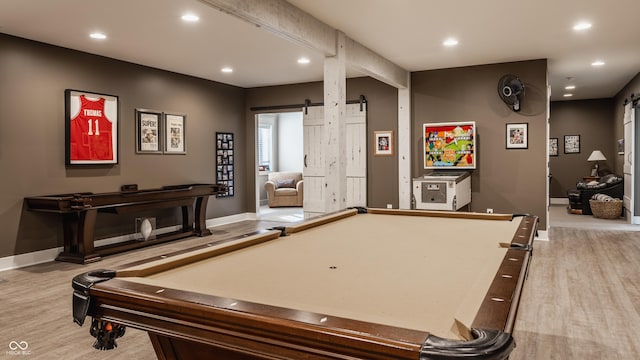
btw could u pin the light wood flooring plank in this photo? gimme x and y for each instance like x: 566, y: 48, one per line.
x: 581, y: 300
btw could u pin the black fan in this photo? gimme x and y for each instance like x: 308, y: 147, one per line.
x: 511, y: 90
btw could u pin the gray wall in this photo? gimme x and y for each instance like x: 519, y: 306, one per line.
x: 594, y: 121
x: 33, y: 77
x: 509, y: 181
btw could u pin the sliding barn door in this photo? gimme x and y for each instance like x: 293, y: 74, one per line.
x: 314, y: 159
x: 629, y: 163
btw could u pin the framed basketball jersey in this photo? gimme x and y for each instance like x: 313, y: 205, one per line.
x: 91, y: 128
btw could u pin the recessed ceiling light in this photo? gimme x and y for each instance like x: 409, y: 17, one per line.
x: 98, y: 36
x: 226, y: 70
x: 597, y: 63
x: 190, y: 17
x: 567, y: 95
x: 450, y: 42
x: 582, y: 26
x: 569, y: 87
x: 303, y: 60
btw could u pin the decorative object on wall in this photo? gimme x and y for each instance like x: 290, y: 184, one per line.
x: 383, y: 143
x: 91, y: 128
x: 553, y: 147
x: 572, y: 144
x: 620, y: 146
x: 175, y: 134
x: 511, y: 91
x: 224, y: 162
x: 449, y: 145
x: 148, y: 131
x: 517, y: 136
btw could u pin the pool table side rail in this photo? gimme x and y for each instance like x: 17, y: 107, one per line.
x: 249, y: 327
x: 500, y: 305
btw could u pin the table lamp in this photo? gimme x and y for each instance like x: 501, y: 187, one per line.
x: 596, y: 156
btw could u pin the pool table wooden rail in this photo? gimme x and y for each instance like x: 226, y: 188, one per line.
x: 186, y: 325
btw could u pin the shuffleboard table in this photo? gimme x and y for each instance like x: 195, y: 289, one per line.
x: 357, y: 284
x: 80, y: 210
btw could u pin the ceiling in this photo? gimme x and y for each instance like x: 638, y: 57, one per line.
x: 407, y: 32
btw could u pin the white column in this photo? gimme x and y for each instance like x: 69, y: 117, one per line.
x: 404, y: 145
x: 335, y: 84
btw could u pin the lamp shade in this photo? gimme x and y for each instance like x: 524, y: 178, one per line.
x: 596, y: 155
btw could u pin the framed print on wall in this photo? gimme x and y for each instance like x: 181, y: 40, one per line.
x: 517, y: 136
x: 174, y: 134
x: 572, y: 144
x: 553, y: 147
x: 91, y: 128
x: 224, y: 162
x: 383, y: 143
x: 148, y: 131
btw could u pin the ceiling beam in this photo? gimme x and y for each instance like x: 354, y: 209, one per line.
x: 291, y: 23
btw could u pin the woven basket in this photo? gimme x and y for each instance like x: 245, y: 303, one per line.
x: 606, y: 209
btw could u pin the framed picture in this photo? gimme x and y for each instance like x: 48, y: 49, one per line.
x: 517, y: 136
x: 148, y: 131
x: 620, y: 146
x: 91, y: 128
x: 383, y: 143
x: 224, y: 162
x: 553, y: 147
x: 572, y: 144
x: 174, y: 134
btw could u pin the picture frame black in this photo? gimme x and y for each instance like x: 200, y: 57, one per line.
x: 553, y: 146
x: 225, y: 163
x: 91, y: 128
x: 572, y: 144
x: 148, y: 131
x: 517, y: 136
x: 175, y: 129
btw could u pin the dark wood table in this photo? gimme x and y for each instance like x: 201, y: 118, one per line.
x: 385, y: 284
x: 79, y: 212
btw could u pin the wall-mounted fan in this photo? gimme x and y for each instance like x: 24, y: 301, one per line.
x: 511, y: 90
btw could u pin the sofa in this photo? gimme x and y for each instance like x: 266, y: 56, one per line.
x: 284, y: 189
x: 611, y: 184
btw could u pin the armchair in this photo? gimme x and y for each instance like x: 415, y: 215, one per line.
x: 284, y: 189
x: 579, y: 197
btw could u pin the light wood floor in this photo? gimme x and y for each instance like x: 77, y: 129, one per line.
x: 581, y: 300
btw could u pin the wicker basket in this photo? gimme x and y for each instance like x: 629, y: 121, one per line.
x: 606, y: 209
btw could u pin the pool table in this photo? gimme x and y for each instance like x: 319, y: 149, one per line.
x: 355, y: 284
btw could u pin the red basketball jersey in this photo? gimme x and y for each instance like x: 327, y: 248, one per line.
x: 91, y: 137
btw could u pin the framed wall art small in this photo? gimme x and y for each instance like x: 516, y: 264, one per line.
x: 148, y: 131
x: 572, y: 144
x: 225, y: 162
x: 517, y: 136
x: 383, y: 143
x: 553, y: 147
x: 91, y: 128
x: 175, y: 134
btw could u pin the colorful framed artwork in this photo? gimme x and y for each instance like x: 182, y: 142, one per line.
x: 225, y: 162
x: 383, y: 143
x: 572, y: 144
x: 175, y: 134
x: 91, y: 128
x: 148, y: 131
x: 553, y: 147
x: 517, y: 136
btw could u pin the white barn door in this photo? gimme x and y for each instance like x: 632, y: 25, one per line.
x: 314, y: 159
x: 628, y: 164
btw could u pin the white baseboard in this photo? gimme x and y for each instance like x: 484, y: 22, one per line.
x: 42, y: 256
x: 543, y: 235
x: 559, y: 201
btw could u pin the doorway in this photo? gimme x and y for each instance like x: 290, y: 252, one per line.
x: 279, y: 148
